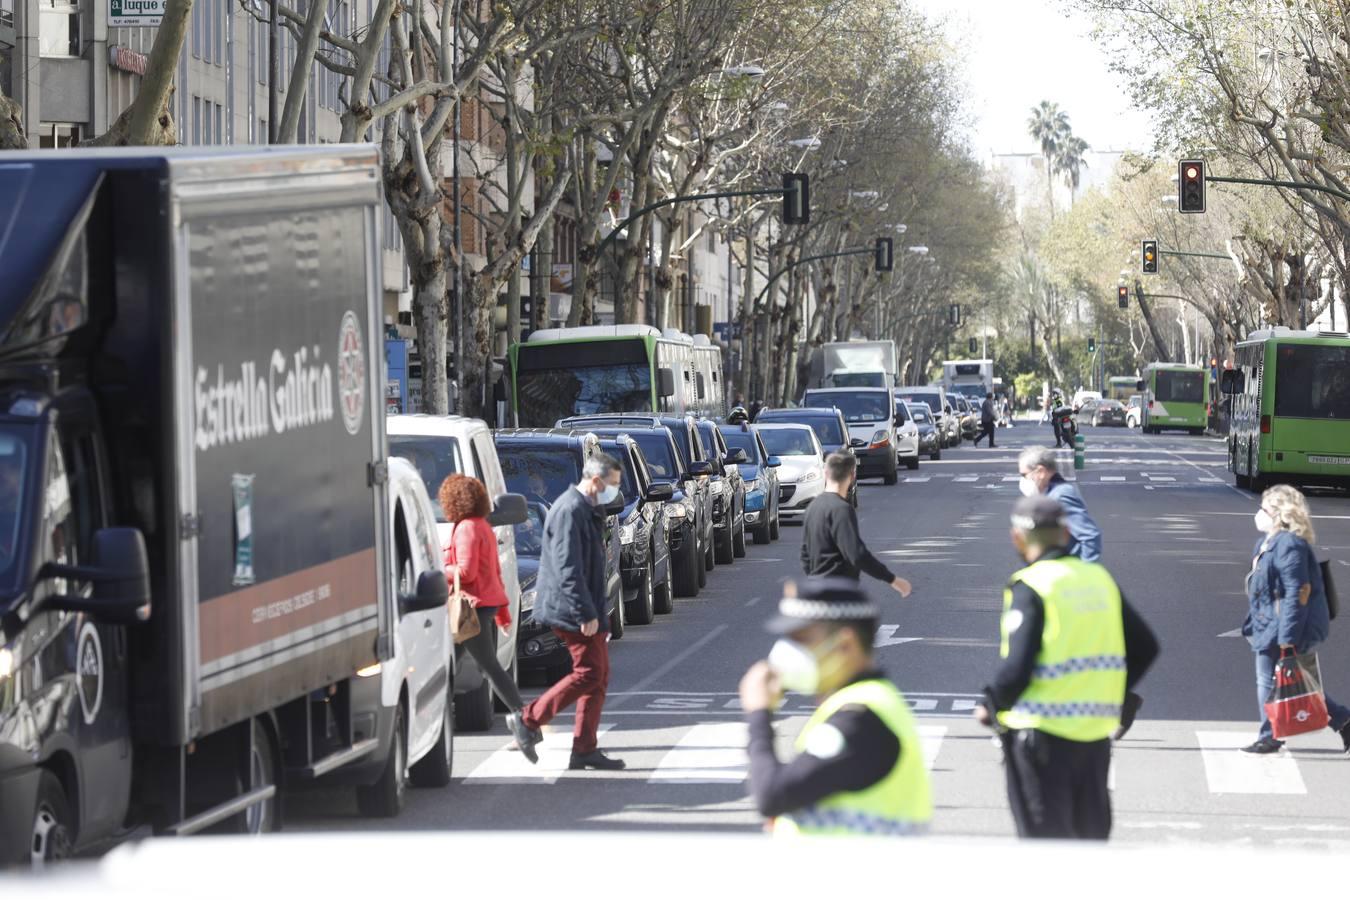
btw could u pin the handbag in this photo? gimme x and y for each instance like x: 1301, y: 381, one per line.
x: 1296, y: 704
x: 463, y: 617
x: 1329, y: 588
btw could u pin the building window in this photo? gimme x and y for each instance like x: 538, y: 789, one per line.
x: 58, y: 136
x: 220, y: 120
x: 196, y: 120
x: 712, y: 241
x: 59, y: 28
x: 7, y: 13
x: 221, y: 10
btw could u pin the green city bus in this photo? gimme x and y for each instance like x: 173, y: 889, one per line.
x: 1121, y: 387
x: 1290, y: 394
x: 1175, y: 396
x: 561, y: 372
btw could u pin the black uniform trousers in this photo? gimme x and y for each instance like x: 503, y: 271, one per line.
x: 1058, y: 788
x: 986, y: 431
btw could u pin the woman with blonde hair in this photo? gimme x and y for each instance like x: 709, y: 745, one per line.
x: 1287, y: 609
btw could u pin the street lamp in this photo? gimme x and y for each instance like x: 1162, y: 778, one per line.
x: 744, y: 70
x: 919, y: 249
x: 810, y: 143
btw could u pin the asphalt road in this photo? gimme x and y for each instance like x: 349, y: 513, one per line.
x: 1178, y: 537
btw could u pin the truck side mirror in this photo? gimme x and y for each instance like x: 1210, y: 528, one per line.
x: 120, y: 574
x: 508, y: 509
x: 1231, y: 381
x: 433, y: 592
x: 665, y: 382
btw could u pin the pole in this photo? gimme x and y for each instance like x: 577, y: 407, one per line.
x: 273, y: 72
x: 456, y: 234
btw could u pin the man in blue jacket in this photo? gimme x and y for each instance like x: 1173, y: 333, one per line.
x: 570, y: 598
x: 1040, y: 475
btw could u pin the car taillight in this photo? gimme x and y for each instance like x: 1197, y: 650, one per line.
x: 1265, y: 424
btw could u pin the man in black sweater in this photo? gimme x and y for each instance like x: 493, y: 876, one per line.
x: 831, y: 544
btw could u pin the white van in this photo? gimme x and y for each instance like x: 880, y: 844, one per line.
x: 440, y: 446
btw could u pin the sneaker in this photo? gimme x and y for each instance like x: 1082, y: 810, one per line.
x: 595, y: 760
x: 525, y: 737
x: 1264, y: 746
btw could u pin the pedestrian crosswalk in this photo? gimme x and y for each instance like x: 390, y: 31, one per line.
x: 1176, y: 477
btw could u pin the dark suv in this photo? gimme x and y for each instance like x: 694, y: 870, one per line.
x: 687, y: 471
x: 644, y: 543
x: 761, y: 473
x: 542, y: 463
x: 727, y: 489
x: 828, y: 424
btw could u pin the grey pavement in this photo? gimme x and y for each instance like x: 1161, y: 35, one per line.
x: 1178, y: 537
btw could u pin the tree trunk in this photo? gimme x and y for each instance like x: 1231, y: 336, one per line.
x: 148, y: 120
x: 297, y: 86
x: 12, y: 136
x: 1159, y: 343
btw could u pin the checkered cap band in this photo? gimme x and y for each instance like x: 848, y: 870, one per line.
x: 824, y: 611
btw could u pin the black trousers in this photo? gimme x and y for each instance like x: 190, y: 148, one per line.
x: 1057, y: 788
x: 986, y: 431
x: 1059, y: 430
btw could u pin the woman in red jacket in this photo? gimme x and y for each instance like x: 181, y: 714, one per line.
x: 473, y: 554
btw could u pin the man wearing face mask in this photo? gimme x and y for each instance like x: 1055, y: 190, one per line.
x: 570, y: 598
x: 1071, y: 648
x: 831, y: 544
x: 1040, y: 475
x: 859, y: 768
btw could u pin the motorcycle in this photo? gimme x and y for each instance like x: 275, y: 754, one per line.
x: 1063, y: 417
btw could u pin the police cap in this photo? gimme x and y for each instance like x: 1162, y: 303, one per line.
x: 1036, y: 513
x: 814, y: 599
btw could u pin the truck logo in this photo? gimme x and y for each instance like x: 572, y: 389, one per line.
x: 89, y: 671
x: 351, y: 373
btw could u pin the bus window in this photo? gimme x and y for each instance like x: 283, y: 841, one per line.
x: 1179, y: 387
x: 1312, y: 382
x: 557, y: 381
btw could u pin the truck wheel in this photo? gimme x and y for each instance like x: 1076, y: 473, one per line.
x: 474, y: 710
x: 384, y: 799
x: 53, y: 826
x: 663, y: 595
x: 434, y: 769
x: 738, y: 539
x: 643, y: 609
x: 618, y: 623
x: 686, y: 574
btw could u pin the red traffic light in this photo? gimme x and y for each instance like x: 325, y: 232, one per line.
x: 1123, y: 296
x: 1191, y: 186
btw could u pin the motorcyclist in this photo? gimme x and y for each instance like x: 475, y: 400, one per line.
x: 1057, y: 414
x: 738, y: 416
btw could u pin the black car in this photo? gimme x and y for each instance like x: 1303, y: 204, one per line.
x: 828, y: 424
x: 644, y: 545
x: 1102, y: 412
x: 541, y: 464
x: 728, y: 492
x: 665, y: 465
x: 930, y: 441
x: 692, y: 478
x: 761, y: 492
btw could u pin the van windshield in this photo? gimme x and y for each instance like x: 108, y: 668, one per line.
x: 435, y: 458
x: 860, y: 407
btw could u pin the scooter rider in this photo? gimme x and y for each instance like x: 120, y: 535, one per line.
x: 1057, y: 413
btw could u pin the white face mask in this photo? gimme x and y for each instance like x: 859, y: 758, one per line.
x: 607, y: 495
x: 795, y: 665
x: 1264, y: 523
x: 1028, y: 487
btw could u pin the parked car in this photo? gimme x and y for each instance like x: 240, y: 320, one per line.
x: 1134, y: 411
x: 439, y: 446
x: 930, y: 441
x: 728, y: 492
x: 870, y: 416
x: 684, y: 511
x: 969, y: 415
x: 828, y: 424
x: 542, y: 463
x: 1080, y: 397
x: 1102, y: 412
x: 644, y: 527
x: 760, y: 471
x: 801, y: 477
x: 906, y: 436
x: 937, y: 398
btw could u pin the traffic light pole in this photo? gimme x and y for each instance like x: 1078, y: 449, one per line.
x: 774, y: 276
x: 1293, y: 185
x: 1201, y: 253
x: 715, y: 195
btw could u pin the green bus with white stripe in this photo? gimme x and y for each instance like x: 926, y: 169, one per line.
x: 1290, y: 394
x: 1176, y: 397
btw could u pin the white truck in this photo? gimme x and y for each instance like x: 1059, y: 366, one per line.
x: 854, y: 364
x: 972, y: 378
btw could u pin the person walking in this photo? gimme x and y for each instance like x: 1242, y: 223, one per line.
x: 986, y: 421
x: 1071, y: 647
x: 859, y: 768
x: 1287, y: 610
x: 472, y: 555
x: 831, y: 544
x: 570, y: 598
x: 1039, y: 468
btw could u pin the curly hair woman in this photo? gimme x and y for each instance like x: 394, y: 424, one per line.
x: 472, y: 554
x: 1287, y: 602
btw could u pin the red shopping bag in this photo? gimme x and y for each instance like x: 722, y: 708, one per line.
x: 1296, y: 704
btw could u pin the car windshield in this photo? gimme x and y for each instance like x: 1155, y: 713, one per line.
x: 14, y: 450
x: 930, y: 398
x: 826, y: 427
x: 541, y: 474
x: 788, y: 441
x: 657, y: 450
x: 921, y: 415
x: 1312, y: 382
x: 1179, y: 387
x: 436, y: 458
x: 530, y: 533
x: 860, y: 407
x: 743, y: 440
x: 1110, y: 404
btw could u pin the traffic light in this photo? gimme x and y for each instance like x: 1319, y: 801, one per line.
x: 971, y: 346
x: 954, y: 314
x: 1149, y: 253
x: 1092, y: 345
x: 1191, y: 186
x: 1123, y: 296
x: 885, y: 254
x: 796, y: 198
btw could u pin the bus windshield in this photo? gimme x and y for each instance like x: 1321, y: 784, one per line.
x: 1312, y: 382
x: 577, y: 378
x: 1179, y: 387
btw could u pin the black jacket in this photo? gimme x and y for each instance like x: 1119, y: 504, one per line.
x: 570, y: 590
x: 831, y: 544
x: 987, y: 411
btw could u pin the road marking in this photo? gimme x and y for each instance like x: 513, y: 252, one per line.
x: 1230, y: 771
x: 966, y: 478
x: 886, y: 636
x: 1158, y: 477
x: 917, y: 479
x: 1236, y: 632
x: 1212, y: 480
x: 1008, y: 478
x: 673, y: 663
x: 510, y: 765
x: 1113, y: 478
x: 709, y: 753
x: 930, y: 736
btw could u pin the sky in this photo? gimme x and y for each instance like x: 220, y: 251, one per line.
x: 1020, y: 52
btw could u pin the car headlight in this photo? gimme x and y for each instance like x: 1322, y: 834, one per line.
x: 676, y: 511
x: 527, y: 599
x: 810, y: 475
x: 628, y: 533
x: 879, y: 436
x: 6, y: 662
x: 718, y: 487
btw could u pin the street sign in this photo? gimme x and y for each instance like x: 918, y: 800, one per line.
x: 136, y: 13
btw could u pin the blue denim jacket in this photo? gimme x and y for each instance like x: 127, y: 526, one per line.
x: 1283, y: 564
x: 1085, y: 537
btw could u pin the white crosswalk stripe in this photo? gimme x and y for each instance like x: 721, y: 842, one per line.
x: 510, y: 765
x: 710, y: 752
x: 1229, y: 771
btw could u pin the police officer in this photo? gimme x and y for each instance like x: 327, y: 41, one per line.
x: 859, y: 766
x: 1071, y: 647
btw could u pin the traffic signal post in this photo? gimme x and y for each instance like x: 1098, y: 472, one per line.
x: 1192, y: 179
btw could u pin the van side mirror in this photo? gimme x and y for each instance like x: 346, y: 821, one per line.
x: 433, y: 592
x: 508, y: 509
x: 120, y: 574
x: 1231, y: 381
x: 665, y: 382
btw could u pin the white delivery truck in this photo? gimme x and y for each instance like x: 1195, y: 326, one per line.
x: 854, y: 364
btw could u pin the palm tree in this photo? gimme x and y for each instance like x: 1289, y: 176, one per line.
x: 1049, y: 126
x: 1070, y: 161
